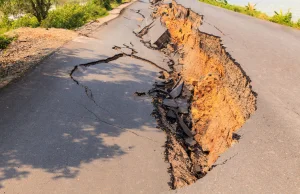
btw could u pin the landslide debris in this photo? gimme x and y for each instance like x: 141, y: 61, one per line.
x: 216, y: 90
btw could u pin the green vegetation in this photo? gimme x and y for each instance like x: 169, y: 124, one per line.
x: 280, y: 18
x: 71, y: 16
x: 5, y: 41
x: 38, y: 8
x: 26, y: 21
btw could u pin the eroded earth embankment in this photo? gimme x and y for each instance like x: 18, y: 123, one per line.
x: 221, y: 100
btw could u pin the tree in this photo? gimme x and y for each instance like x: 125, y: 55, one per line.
x: 38, y: 8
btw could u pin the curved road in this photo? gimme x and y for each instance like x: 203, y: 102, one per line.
x: 97, y: 137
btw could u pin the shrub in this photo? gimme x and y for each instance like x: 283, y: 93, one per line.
x: 69, y: 16
x: 281, y: 18
x: 5, y: 41
x: 5, y: 24
x: 107, y: 5
x: 298, y: 23
x: 94, y: 11
x: 237, y: 9
x: 72, y: 16
x: 26, y: 21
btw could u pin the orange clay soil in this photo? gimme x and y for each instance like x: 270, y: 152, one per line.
x: 223, y: 99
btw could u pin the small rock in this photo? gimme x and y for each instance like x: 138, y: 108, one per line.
x: 190, y: 141
x: 197, y: 168
x: 171, y: 114
x: 177, y: 90
x: 170, y: 103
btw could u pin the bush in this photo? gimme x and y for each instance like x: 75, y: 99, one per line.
x: 280, y: 18
x: 72, y: 16
x: 5, y: 24
x: 237, y: 9
x: 26, y: 21
x: 69, y: 16
x: 298, y: 23
x: 93, y: 11
x: 106, y: 4
x: 5, y: 41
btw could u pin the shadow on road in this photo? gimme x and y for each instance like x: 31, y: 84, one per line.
x: 49, y: 124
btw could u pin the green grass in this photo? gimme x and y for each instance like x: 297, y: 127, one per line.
x: 279, y: 18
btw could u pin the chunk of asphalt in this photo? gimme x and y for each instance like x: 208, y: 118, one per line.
x: 160, y: 83
x: 170, y: 103
x: 183, y: 106
x: 190, y: 141
x: 182, y: 102
x: 157, y: 90
x: 171, y: 114
x: 177, y: 82
x: 158, y: 34
x: 177, y: 90
x: 145, y: 23
x: 181, y: 123
x: 169, y: 81
x: 185, y: 128
x: 183, y: 110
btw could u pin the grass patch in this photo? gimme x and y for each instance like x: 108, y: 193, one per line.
x: 279, y: 18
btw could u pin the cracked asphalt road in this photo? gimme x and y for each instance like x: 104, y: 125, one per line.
x: 95, y: 137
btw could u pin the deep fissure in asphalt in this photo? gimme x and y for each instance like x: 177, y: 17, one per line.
x: 201, y: 102
x: 216, y: 92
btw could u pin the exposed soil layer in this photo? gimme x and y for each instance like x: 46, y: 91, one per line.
x: 221, y: 102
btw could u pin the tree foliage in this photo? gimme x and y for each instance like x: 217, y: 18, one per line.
x: 38, y: 8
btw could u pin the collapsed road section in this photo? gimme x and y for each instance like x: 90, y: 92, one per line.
x: 204, y: 101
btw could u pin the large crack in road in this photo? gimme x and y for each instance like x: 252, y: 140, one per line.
x: 200, y: 106
x: 89, y: 92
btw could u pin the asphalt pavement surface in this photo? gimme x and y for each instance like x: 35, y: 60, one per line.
x: 96, y: 136
x: 58, y: 136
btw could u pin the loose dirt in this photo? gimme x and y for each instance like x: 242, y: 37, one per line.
x: 29, y: 48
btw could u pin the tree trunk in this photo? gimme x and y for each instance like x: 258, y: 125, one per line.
x: 40, y: 8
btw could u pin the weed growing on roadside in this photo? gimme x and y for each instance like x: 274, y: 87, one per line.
x: 280, y: 18
x: 5, y: 41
